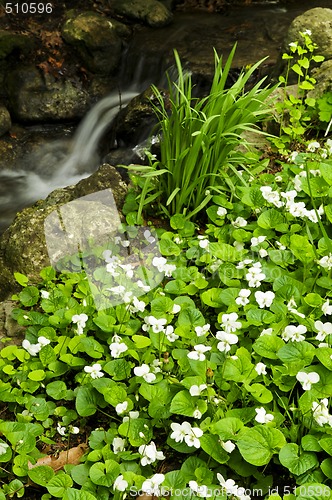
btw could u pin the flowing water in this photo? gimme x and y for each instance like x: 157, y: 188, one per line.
x: 60, y: 163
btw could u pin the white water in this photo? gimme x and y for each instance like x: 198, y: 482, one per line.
x: 60, y: 163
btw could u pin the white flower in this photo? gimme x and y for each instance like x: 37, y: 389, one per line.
x: 227, y: 340
x: 221, y: 211
x: 118, y: 445
x: 324, y: 329
x: 197, y: 414
x: 187, y: 433
x: 200, y: 491
x: 228, y: 446
x: 297, y: 209
x: 238, y: 245
x: 42, y: 341
x: 120, y: 484
x: 321, y: 412
x: 132, y: 415
x: 293, y: 45
x: 256, y: 241
x: 307, y: 32
x: 74, y: 430
x: 44, y: 294
x: 94, y: 370
x: 228, y: 485
x: 260, y: 368
x: 229, y: 323
x: 161, y: 264
x: 326, y: 261
x: 196, y: 390
x: 81, y: 320
x: 148, y: 236
x: 61, y: 430
x: 294, y: 333
x: 176, y: 308
x: 144, y: 371
x: 33, y: 349
x: 170, y: 335
x: 157, y: 325
x: 264, y: 299
x: 262, y: 253
x: 150, y: 454
x: 326, y: 308
x: 255, y: 275
x: 198, y: 352
x: 3, y: 448
x: 262, y: 417
x: 117, y: 348
x: 312, y: 146
x: 293, y: 156
x: 151, y: 486
x: 271, y: 196
x: 121, y: 407
x: 307, y: 379
x: 239, y: 222
x: 266, y: 331
x: 204, y: 243
x: 202, y: 330
x: 242, y: 298
x: 145, y: 288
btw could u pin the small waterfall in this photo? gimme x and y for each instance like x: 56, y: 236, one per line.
x: 60, y: 163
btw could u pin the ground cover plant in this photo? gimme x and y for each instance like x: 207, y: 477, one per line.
x: 216, y: 383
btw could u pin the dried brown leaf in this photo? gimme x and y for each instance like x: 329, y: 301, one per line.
x: 71, y: 456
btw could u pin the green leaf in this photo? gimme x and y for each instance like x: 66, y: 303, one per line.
x: 267, y: 346
x: 258, y: 444
x: 260, y: 393
x: 168, y: 247
x: 240, y: 368
x: 41, y: 474
x: 212, y: 297
x: 326, y: 171
x: 296, y: 462
x: 58, y: 485
x: 56, y: 390
x: 37, y: 375
x: 211, y: 445
x: 86, y: 401
x: 113, y: 393
x: 301, y: 353
x: 132, y: 430
x: 141, y: 342
x: 73, y: 494
x: 119, y: 369
x: 227, y: 428
x: 29, y: 296
x: 104, y: 474
x: 326, y: 444
x: 326, y: 467
x: 225, y: 252
x: 269, y: 219
x: 313, y: 491
x: 302, y: 249
x: 183, y: 404
x: 21, y: 279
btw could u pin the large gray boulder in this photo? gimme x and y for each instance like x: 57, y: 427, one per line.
x: 150, y: 12
x: 34, y: 97
x: 23, y: 245
x: 319, y: 22
x: 96, y: 40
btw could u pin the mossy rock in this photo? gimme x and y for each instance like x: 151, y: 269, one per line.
x: 150, y: 12
x: 10, y: 42
x: 96, y: 40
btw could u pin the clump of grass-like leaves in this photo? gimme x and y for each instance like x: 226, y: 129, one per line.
x: 200, y: 137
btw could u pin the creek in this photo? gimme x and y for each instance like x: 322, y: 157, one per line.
x: 258, y: 30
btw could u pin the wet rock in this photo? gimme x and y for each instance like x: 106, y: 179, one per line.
x: 150, y: 12
x: 23, y: 244
x: 34, y: 97
x: 5, y: 121
x: 11, y: 43
x: 96, y: 40
x: 10, y: 330
x: 134, y: 123
x: 319, y: 22
x: 323, y: 76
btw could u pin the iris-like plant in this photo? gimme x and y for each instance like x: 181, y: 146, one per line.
x: 200, y: 138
